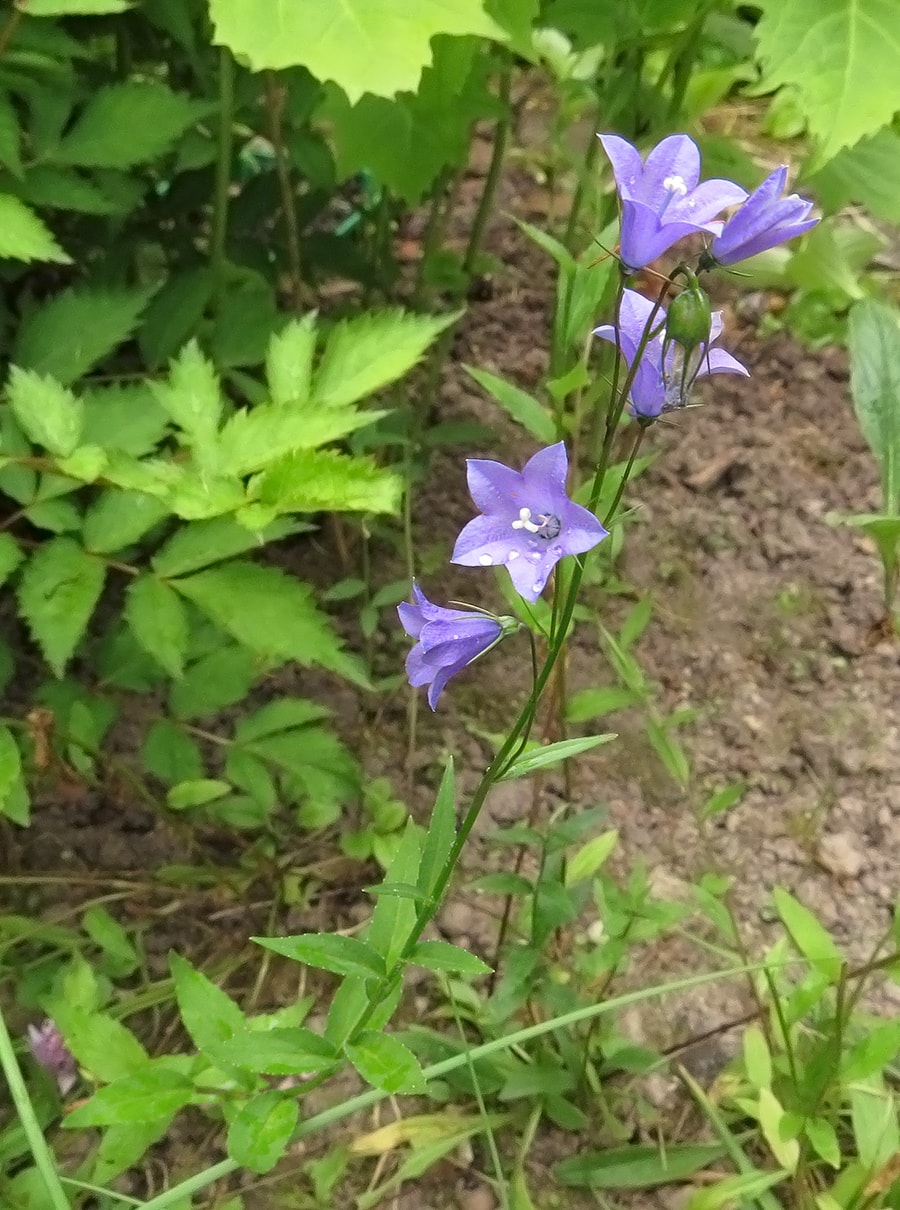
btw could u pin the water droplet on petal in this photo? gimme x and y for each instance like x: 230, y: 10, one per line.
x: 534, y: 556
x: 513, y: 554
x: 558, y: 551
x: 485, y: 560
x: 456, y: 636
x: 537, y: 587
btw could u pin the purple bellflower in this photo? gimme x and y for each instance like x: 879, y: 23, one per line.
x: 448, y: 640
x: 528, y: 522
x: 665, y: 375
x: 49, y: 1050
x: 661, y: 198
x: 764, y: 220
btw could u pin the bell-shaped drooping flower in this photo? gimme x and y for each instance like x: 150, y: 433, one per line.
x: 48, y: 1048
x: 528, y: 522
x: 448, y: 640
x: 665, y: 372
x: 764, y: 220
x: 661, y: 198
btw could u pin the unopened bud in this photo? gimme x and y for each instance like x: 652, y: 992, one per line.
x: 690, y: 317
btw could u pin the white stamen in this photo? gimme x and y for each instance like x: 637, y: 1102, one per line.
x: 525, y: 522
x: 675, y: 184
x: 485, y: 560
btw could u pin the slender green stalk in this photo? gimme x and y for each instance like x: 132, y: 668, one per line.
x: 37, y: 1144
x: 495, y: 170
x: 620, y: 491
x: 276, y: 95
x: 223, y: 173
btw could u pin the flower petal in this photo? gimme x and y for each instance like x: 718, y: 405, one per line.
x: 548, y: 467
x: 486, y: 542
x: 626, y: 163
x: 582, y: 530
x: 495, y: 488
x: 718, y: 361
x: 705, y: 202
x: 530, y: 578
x: 676, y: 156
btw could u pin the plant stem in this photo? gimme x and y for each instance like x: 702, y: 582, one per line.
x: 587, y: 168
x: 223, y: 173
x: 495, y: 170
x: 9, y: 29
x: 620, y: 491
x: 275, y: 98
x: 37, y: 1143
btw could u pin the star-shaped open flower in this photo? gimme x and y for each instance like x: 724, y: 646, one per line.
x: 662, y: 199
x: 448, y: 640
x: 764, y: 220
x: 665, y: 374
x: 528, y: 522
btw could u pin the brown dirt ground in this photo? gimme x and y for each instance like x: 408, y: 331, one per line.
x: 763, y: 622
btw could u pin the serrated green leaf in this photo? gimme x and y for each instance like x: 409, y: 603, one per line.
x: 552, y: 754
x: 522, y: 407
x: 369, y: 351
x: 10, y: 556
x: 158, y: 621
x: 192, y: 397
x: 65, y: 189
x: 174, y: 314
x: 103, y: 1046
x: 282, y: 715
x: 57, y: 594
x: 47, y: 412
x: 313, y: 481
x: 867, y: 174
x: 214, y: 682
x: 364, y: 45
x: 128, y: 123
x: 209, y: 1015
x: 442, y: 956
x: 289, y: 361
x: 171, y: 755
x: 266, y: 610
x: 874, y: 342
x: 142, y: 1097
x: 260, y: 1131
x: 333, y: 952
x: 76, y: 330
x: 839, y: 56
x: 385, y: 1063
x: 119, y: 519
x: 23, y: 236
x: 124, y: 418
x: 253, y: 439
x: 10, y: 766
x: 200, y: 543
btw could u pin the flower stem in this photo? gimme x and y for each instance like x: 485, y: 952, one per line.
x: 40, y: 1152
x: 495, y: 169
x: 620, y: 491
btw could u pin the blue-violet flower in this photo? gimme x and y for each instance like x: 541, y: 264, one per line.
x: 528, y: 522
x: 48, y: 1048
x: 661, y: 198
x: 665, y: 374
x: 448, y: 640
x: 764, y: 220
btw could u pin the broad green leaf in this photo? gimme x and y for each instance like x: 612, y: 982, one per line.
x: 47, y: 412
x: 328, y: 952
x: 441, y: 832
x: 200, y: 543
x: 192, y: 397
x: 867, y: 173
x: 522, y: 407
x: 874, y: 341
x: 214, y: 682
x: 57, y: 594
x: 102, y: 927
x: 142, y: 1097
x: 67, y: 190
x: 103, y: 1046
x: 824, y: 1140
x: 282, y: 715
x: 839, y: 55
x: 196, y: 793
x: 394, y: 917
x: 363, y: 45
x: 744, y: 1189
x: 811, y: 938
x: 10, y: 136
x: 124, y: 418
x: 253, y: 439
x: 260, y: 1131
x: 76, y: 8
x: 313, y: 481
x: 595, y: 703
x: 128, y: 123
x: 118, y: 519
x: 442, y: 956
x: 757, y: 1057
x: 385, y: 1063
x: 122, y: 1147
x: 266, y: 610
x: 590, y: 857
x: 552, y: 754
x: 158, y: 620
x: 208, y: 1014
x: 277, y: 1052
x: 289, y: 361
x: 23, y: 236
x: 369, y: 351
x: 171, y: 755
x: 771, y: 1116
x: 10, y: 766
x: 872, y: 1053
x: 174, y: 314
x: 10, y: 556
x: 71, y: 333
x: 638, y: 1166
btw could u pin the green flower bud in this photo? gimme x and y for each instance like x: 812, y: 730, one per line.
x: 690, y: 317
